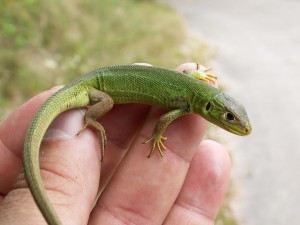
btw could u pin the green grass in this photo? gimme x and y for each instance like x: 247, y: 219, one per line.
x: 45, y: 43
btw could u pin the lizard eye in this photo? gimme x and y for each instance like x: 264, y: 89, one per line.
x: 229, y: 116
x: 208, y: 105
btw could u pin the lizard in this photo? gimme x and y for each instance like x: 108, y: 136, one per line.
x: 180, y: 92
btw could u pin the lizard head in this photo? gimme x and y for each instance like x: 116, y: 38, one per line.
x: 226, y: 113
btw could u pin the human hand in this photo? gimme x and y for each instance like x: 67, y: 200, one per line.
x: 185, y: 187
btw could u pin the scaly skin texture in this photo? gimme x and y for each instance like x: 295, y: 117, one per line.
x: 179, y: 92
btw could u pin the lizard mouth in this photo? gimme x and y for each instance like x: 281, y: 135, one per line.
x: 242, y: 131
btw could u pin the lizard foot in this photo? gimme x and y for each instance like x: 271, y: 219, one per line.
x: 157, y: 142
x: 201, y: 74
x: 206, y: 77
x: 101, y: 131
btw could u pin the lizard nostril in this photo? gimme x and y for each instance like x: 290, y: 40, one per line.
x: 248, y: 129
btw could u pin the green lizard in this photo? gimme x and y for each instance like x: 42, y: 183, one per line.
x: 182, y: 93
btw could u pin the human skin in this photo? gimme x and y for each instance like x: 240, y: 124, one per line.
x: 186, y: 186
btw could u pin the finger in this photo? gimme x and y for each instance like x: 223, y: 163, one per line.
x: 143, y: 190
x: 121, y: 125
x: 204, y: 188
x: 12, y: 133
x: 70, y: 171
x: 187, y: 66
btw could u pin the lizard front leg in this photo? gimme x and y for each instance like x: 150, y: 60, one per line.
x: 160, y: 127
x: 101, y: 104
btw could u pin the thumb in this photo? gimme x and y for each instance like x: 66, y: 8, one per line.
x: 70, y: 169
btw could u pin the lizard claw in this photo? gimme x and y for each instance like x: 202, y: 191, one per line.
x: 206, y: 77
x: 201, y: 74
x: 157, y: 142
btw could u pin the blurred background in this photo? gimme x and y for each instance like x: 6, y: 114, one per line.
x: 45, y: 43
x: 253, y: 45
x: 258, y: 55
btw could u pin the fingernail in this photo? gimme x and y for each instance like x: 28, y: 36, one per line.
x: 66, y: 125
x: 56, y: 88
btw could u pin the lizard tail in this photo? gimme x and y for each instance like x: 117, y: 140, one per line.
x: 66, y: 98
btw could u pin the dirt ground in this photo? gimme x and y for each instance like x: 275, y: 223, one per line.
x: 258, y: 44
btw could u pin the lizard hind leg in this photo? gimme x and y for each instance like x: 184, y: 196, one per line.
x: 101, y: 131
x: 102, y: 103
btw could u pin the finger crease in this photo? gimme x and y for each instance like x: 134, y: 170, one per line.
x: 194, y: 209
x: 133, y: 219
x: 7, y: 150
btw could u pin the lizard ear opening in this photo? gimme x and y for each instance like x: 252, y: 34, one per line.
x: 208, y: 106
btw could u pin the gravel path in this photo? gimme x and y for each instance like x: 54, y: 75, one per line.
x: 258, y: 44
